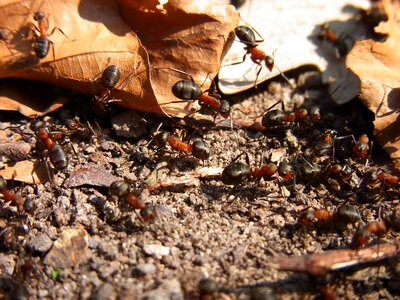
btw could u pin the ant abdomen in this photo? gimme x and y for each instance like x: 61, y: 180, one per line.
x: 110, y: 76
x: 186, y: 90
x: 235, y: 173
x: 245, y: 34
x: 201, y: 149
x: 58, y: 157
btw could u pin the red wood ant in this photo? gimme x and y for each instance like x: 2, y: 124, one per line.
x: 41, y: 43
x: 339, y: 42
x: 189, y: 90
x: 121, y: 190
x: 345, y: 214
x: 109, y: 78
x: 199, y: 148
x: 277, y: 117
x: 236, y: 172
x: 246, y: 36
x: 57, y: 155
x: 10, y: 196
x: 377, y: 228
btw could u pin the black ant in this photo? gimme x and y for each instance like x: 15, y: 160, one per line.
x: 121, y: 190
x: 246, y: 36
x: 56, y: 154
x: 189, y: 90
x: 236, y: 172
x: 41, y: 43
x: 377, y: 228
x: 199, y: 148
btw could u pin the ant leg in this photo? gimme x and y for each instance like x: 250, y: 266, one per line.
x: 56, y: 28
x: 176, y: 70
x: 236, y: 63
x: 123, y: 84
x: 258, y: 73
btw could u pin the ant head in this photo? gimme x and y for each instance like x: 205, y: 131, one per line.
x: 35, y: 126
x: 225, y: 109
x: 38, y: 16
x: 72, y: 124
x: 148, y: 213
x: 269, y: 62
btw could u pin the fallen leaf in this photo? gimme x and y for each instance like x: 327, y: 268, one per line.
x: 90, y: 174
x: 191, y: 37
x: 26, y: 171
x: 377, y: 64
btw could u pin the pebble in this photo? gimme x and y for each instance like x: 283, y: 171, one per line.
x: 7, y: 264
x: 156, y: 250
x: 168, y: 289
x: 69, y: 250
x: 40, y: 243
x: 144, y: 269
x: 106, y: 291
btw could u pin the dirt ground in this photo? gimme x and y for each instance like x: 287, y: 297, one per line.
x: 80, y: 242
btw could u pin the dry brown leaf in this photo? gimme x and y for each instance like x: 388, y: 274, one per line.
x: 190, y: 37
x: 22, y: 171
x: 377, y: 64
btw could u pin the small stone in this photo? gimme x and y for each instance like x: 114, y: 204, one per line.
x: 43, y: 293
x: 69, y: 250
x: 168, y: 289
x: 90, y: 149
x: 106, y: 291
x: 7, y: 264
x: 309, y: 80
x: 40, y: 243
x: 156, y: 250
x: 129, y: 124
x: 144, y: 269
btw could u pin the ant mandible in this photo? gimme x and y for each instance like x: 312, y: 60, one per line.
x: 247, y: 37
x: 41, y: 42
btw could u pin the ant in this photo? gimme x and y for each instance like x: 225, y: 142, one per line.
x: 41, y: 42
x: 189, y: 90
x: 10, y: 196
x: 345, y: 214
x: 246, y: 36
x: 278, y: 117
x: 339, y: 42
x: 236, y: 172
x: 57, y: 155
x: 5, y: 38
x: 109, y: 78
x: 377, y: 228
x: 121, y: 190
x: 199, y: 148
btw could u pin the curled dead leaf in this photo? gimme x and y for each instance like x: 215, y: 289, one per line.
x: 377, y: 64
x: 192, y: 37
